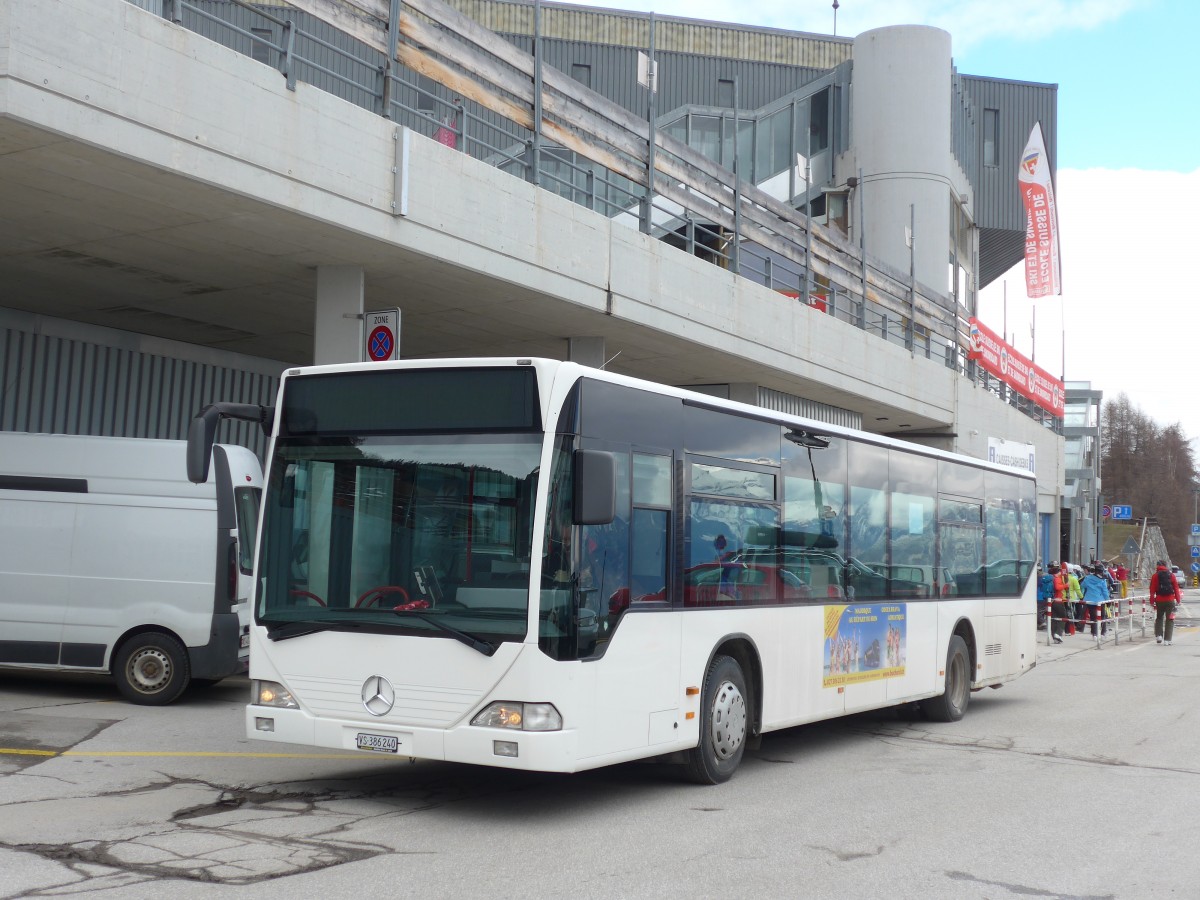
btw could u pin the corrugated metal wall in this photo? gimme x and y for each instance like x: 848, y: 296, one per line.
x: 632, y: 29
x: 62, y: 385
x: 999, y: 212
x: 964, y: 122
x: 810, y: 409
x: 683, y: 79
x: 1020, y: 105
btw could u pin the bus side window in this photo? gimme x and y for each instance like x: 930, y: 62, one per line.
x: 649, y: 577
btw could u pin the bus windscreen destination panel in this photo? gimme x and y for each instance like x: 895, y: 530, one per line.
x: 425, y: 400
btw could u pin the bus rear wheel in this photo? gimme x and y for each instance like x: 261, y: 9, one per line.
x: 724, y: 723
x: 152, y: 669
x: 952, y: 704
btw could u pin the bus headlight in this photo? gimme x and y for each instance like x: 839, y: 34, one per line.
x: 520, y: 716
x: 272, y: 693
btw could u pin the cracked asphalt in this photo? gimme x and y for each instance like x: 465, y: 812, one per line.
x: 1080, y: 780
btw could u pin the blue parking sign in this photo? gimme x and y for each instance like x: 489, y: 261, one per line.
x: 1122, y: 512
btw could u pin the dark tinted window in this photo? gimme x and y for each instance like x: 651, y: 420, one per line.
x: 867, y: 521
x: 1002, y: 518
x: 616, y: 413
x: 964, y: 481
x: 814, y: 513
x: 913, y: 526
x: 246, y: 504
x: 711, y: 433
x: 1028, y: 493
x: 399, y: 401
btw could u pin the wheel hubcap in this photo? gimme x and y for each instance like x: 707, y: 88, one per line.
x: 149, y: 670
x: 958, y: 685
x: 728, y: 721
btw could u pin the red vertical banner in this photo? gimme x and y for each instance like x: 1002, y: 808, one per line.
x: 1043, y: 270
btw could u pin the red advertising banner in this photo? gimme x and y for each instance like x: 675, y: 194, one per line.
x: 1043, y: 269
x: 1015, y: 370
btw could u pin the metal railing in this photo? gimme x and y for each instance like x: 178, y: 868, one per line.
x: 1122, y: 616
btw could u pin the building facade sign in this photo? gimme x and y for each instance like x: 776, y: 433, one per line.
x: 1012, y: 454
x: 1015, y: 370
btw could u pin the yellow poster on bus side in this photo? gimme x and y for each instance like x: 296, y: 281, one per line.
x: 864, y: 643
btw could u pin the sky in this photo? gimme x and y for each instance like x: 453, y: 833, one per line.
x: 1128, y: 182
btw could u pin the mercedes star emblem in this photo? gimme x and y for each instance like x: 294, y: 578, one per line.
x: 378, y: 695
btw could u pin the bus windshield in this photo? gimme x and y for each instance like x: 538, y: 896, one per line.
x: 425, y: 534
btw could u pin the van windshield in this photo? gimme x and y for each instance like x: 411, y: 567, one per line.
x: 389, y: 533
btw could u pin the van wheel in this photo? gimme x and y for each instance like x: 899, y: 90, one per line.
x: 952, y: 704
x: 724, y: 724
x: 151, y: 669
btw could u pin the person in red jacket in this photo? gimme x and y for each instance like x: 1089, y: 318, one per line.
x: 1164, y: 591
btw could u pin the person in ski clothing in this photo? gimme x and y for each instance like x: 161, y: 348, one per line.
x: 1095, y: 596
x: 1045, y: 588
x: 1164, y: 591
x: 1073, y: 597
x: 1058, y: 608
x: 1045, y: 595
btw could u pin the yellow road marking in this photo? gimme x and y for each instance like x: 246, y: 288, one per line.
x: 12, y: 751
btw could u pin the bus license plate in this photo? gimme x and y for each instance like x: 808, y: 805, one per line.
x: 379, y: 743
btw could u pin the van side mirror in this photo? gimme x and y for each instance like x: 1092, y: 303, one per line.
x: 595, y: 488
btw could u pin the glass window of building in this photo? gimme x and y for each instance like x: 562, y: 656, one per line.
x: 725, y: 93
x: 818, y: 121
x: 582, y: 74
x: 991, y: 137
x: 260, y: 47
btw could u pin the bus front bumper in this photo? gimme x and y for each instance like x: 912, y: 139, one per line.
x: 547, y: 751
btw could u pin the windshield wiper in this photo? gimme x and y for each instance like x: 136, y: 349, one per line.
x: 285, y: 630
x: 470, y: 640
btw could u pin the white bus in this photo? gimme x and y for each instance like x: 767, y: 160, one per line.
x: 532, y: 564
x: 111, y: 561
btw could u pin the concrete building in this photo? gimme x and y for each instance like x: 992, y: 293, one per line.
x: 1082, y: 496
x: 195, y: 200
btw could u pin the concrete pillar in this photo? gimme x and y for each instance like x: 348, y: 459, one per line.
x: 587, y: 351
x: 337, y: 326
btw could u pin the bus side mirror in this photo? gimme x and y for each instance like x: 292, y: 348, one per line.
x: 201, y: 434
x: 595, y: 492
x: 203, y: 431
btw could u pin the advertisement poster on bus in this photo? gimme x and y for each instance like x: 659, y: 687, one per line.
x: 864, y: 643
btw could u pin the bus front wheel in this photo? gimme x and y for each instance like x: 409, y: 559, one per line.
x: 724, y: 723
x: 952, y: 704
x: 152, y: 669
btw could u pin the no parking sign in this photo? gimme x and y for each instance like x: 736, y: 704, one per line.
x: 381, y: 335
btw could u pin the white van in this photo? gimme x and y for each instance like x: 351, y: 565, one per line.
x: 112, y: 561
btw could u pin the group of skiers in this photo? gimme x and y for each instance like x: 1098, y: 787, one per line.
x: 1076, y: 595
